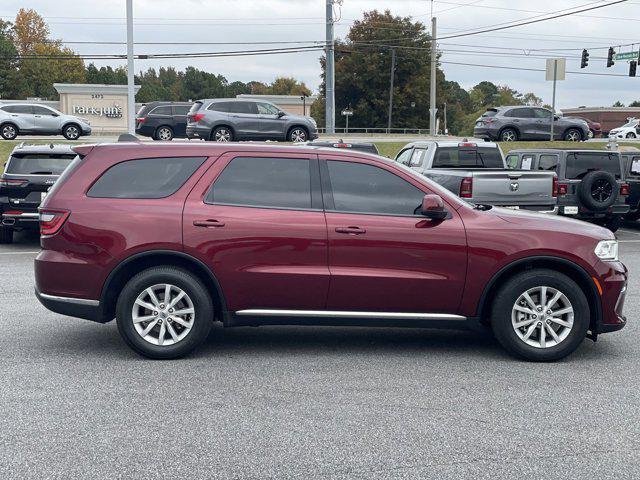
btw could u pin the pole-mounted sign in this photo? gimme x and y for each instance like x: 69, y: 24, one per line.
x: 556, y: 68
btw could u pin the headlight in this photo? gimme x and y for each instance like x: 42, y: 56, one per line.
x: 607, y: 250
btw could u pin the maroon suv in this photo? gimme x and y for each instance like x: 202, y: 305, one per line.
x: 170, y: 238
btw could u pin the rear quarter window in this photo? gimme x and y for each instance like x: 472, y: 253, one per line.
x: 145, y: 178
x: 457, y: 157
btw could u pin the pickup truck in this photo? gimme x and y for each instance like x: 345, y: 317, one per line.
x: 478, y: 173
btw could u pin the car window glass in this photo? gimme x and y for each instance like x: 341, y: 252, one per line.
x: 361, y: 188
x: 418, y: 157
x: 181, y: 109
x: 42, y: 111
x: 579, y: 164
x: 527, y: 161
x: 548, y: 162
x: 635, y: 165
x: 512, y: 162
x: 195, y: 107
x: 145, y: 178
x: 521, y: 113
x: 460, y: 157
x: 263, y: 182
x: 18, y: 109
x: 162, y: 110
x: 39, y: 164
x: 243, y: 107
x: 404, y: 156
x: 267, y: 109
x: 542, y: 113
x: 220, y: 106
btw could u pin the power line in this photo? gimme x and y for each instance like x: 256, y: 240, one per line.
x: 504, y: 67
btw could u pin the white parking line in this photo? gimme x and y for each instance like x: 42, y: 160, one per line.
x: 629, y: 231
x: 18, y: 253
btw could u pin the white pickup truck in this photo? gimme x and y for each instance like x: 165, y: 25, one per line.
x: 477, y: 172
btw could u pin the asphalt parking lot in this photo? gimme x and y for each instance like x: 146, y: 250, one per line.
x: 284, y: 402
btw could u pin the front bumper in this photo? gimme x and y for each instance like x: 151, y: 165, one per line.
x: 86, y: 129
x: 612, y: 278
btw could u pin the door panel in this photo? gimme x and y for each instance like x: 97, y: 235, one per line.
x: 270, y: 124
x: 44, y: 121
x: 262, y: 257
x: 390, y: 262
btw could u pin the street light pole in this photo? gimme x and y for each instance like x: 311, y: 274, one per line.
x: 432, y: 95
x: 131, y: 100
x: 330, y: 105
x: 393, y: 74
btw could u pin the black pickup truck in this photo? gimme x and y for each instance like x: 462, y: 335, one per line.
x: 28, y: 174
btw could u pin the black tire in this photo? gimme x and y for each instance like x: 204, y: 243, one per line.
x: 164, y: 134
x: 6, y: 235
x: 508, y: 135
x: 72, y: 131
x: 572, y: 135
x: 222, y: 134
x: 9, y: 131
x: 297, y: 134
x: 505, y: 300
x: 195, y: 290
x: 630, y: 135
x: 598, y: 190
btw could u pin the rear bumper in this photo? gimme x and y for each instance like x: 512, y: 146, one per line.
x: 195, y: 131
x: 21, y: 221
x: 484, y: 133
x: 145, y: 130
x: 73, y: 307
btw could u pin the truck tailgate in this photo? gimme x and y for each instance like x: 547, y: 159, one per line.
x: 513, y: 187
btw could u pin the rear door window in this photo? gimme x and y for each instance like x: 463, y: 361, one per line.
x: 162, y: 110
x: 39, y: 164
x: 519, y: 113
x: 37, y: 110
x: 145, y: 177
x: 459, y: 157
x: 581, y: 163
x: 548, y: 162
x: 181, y: 109
x: 283, y: 183
x: 243, y: 107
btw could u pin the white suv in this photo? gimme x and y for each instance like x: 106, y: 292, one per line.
x: 32, y: 119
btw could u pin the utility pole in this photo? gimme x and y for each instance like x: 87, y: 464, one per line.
x: 393, y: 74
x: 330, y: 105
x: 131, y: 95
x: 553, y: 102
x: 432, y: 94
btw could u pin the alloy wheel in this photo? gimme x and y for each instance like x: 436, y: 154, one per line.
x: 163, y: 314
x: 164, y: 134
x: 298, y: 135
x: 573, y: 136
x: 72, y: 133
x: 601, y: 190
x: 508, y: 136
x: 542, y: 317
x: 222, y: 135
x: 9, y: 132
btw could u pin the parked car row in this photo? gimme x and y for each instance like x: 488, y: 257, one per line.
x: 223, y: 120
x: 591, y: 185
x: 33, y: 119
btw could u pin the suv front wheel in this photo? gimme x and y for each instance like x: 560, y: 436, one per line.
x: 540, y: 315
x: 71, y: 132
x: 298, y: 135
x: 572, y: 135
x: 164, y: 313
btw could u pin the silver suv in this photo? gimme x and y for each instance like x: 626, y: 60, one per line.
x: 229, y: 119
x: 32, y: 119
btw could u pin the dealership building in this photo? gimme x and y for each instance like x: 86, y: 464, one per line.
x: 105, y: 106
x: 608, y: 117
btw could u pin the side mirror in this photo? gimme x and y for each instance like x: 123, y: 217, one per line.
x: 280, y: 114
x: 433, y: 207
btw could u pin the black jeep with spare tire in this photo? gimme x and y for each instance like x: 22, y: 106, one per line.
x: 591, y: 184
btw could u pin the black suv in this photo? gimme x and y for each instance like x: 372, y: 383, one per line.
x: 510, y: 124
x: 28, y: 174
x: 631, y: 162
x: 163, y: 120
x: 591, y: 184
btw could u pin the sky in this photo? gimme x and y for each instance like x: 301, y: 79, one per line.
x: 303, y: 20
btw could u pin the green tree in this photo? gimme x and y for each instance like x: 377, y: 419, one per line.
x: 618, y: 104
x: 287, y: 86
x: 8, y: 63
x: 635, y: 103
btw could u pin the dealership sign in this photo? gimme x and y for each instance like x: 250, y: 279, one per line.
x: 110, y: 112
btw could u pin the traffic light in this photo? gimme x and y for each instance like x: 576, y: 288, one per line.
x: 610, y: 60
x: 633, y: 64
x: 585, y: 58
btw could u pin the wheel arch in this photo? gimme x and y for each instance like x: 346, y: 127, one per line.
x: 571, y: 269
x: 297, y: 125
x: 225, y: 125
x: 69, y: 123
x: 134, y: 264
x: 510, y: 127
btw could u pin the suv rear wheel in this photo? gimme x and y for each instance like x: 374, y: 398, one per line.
x: 164, y: 134
x: 222, y: 134
x: 6, y: 235
x: 164, y: 312
x: 71, y: 132
x: 572, y: 135
x: 508, y: 135
x: 540, y: 315
x: 9, y: 131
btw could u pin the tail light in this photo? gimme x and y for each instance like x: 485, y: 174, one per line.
x: 51, y: 221
x: 140, y: 119
x: 563, y: 189
x: 554, y: 189
x: 624, y: 189
x: 467, y: 145
x: 466, y: 187
x: 13, y: 182
x: 196, y: 117
x: 12, y: 212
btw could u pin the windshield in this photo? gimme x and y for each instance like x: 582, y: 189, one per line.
x: 631, y: 123
x: 458, y: 157
x: 39, y: 164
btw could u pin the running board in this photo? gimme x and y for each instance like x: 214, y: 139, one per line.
x: 255, y: 317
